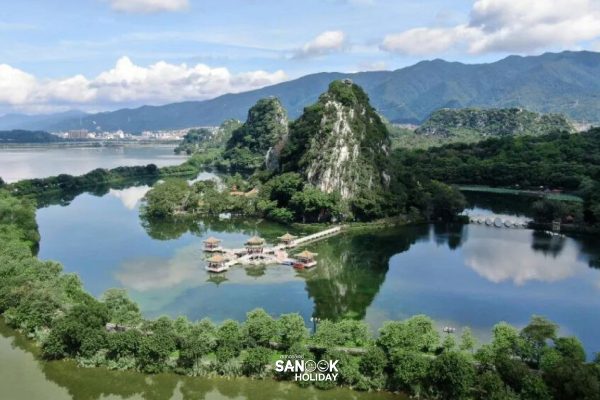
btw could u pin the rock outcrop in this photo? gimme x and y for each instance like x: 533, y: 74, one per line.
x: 340, y: 143
x: 251, y: 146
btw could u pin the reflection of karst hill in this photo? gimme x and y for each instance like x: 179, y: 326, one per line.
x: 352, y: 269
x: 174, y: 228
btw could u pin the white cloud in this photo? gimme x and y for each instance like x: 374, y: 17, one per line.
x: 128, y: 83
x: 148, y: 6
x: 420, y: 41
x: 325, y: 43
x: 507, y: 26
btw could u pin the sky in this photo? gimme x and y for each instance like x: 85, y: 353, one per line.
x: 96, y: 55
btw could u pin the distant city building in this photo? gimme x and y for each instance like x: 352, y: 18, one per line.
x: 79, y: 134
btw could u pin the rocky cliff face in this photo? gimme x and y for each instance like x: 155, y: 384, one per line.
x: 251, y: 146
x: 492, y: 122
x: 340, y: 143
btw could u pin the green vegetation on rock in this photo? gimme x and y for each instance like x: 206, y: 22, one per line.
x: 472, y: 122
x: 249, y: 145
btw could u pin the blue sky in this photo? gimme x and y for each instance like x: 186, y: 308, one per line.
x: 105, y: 54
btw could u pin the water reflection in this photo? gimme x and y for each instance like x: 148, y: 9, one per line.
x: 507, y: 256
x: 130, y: 197
x: 352, y: 269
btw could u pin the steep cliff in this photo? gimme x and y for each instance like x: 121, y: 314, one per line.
x: 250, y: 146
x: 340, y: 144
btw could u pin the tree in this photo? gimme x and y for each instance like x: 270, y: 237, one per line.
x: 467, y: 340
x: 343, y: 333
x: 282, y: 188
x: 409, y: 370
x: 80, y: 331
x: 123, y: 344
x: 536, y: 334
x: 451, y: 375
x: 489, y: 386
x: 291, y: 330
x: 506, y: 340
x: 417, y: 333
x: 122, y: 310
x: 198, y: 342
x: 154, y: 351
x: 570, y: 347
x: 571, y: 379
x: 229, y: 340
x: 314, y: 205
x: 446, y: 201
x: 255, y: 361
x: 166, y: 198
x: 372, y: 365
x: 260, y: 328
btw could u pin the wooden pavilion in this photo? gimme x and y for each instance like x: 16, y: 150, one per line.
x: 286, y: 239
x: 306, y: 259
x: 255, y: 245
x: 216, y: 263
x: 212, y: 244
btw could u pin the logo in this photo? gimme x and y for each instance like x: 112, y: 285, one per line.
x: 308, y: 370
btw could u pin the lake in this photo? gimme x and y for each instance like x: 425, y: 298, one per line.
x: 469, y: 275
x: 21, y: 162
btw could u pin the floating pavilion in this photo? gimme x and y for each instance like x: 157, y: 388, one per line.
x: 212, y: 244
x: 287, y: 239
x: 255, y: 245
x: 306, y: 259
x: 217, y: 263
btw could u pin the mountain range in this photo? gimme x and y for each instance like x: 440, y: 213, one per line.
x: 566, y: 83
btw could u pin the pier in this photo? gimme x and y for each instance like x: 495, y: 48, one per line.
x: 255, y: 252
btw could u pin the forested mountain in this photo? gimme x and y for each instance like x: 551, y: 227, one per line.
x: 492, y: 122
x: 567, y: 83
x: 37, y: 122
x: 21, y: 136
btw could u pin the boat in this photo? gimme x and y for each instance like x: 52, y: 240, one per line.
x: 498, y: 222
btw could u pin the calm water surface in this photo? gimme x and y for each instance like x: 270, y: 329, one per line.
x: 18, y: 163
x: 460, y: 275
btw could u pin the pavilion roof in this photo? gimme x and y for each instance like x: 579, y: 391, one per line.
x: 287, y: 236
x: 255, y: 240
x: 306, y: 254
x: 217, y: 258
x: 212, y: 240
